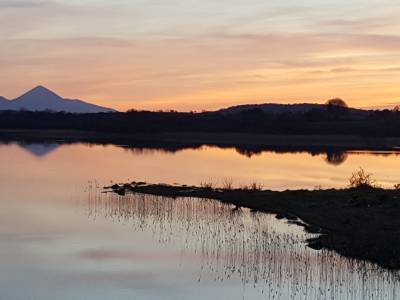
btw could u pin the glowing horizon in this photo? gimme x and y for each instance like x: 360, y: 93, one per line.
x: 196, y: 55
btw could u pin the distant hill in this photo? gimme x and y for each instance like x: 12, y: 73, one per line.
x: 42, y: 99
x: 275, y: 108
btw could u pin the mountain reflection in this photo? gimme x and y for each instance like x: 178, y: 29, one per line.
x: 234, y: 243
x: 39, y: 150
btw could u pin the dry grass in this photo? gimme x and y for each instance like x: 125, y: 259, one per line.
x: 207, y: 184
x: 227, y: 184
x: 254, y: 186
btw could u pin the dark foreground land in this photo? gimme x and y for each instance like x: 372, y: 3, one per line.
x: 359, y: 223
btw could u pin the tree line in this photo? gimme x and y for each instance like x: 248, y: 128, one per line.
x: 332, y: 120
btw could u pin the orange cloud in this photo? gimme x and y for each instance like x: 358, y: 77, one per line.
x: 205, y: 72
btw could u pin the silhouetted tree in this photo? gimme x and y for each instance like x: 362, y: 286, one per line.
x: 337, y: 102
x: 337, y: 108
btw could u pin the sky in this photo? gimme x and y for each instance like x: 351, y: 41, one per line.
x: 203, y: 54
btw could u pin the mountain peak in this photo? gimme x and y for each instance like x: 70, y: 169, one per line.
x: 41, y: 88
x: 41, y: 91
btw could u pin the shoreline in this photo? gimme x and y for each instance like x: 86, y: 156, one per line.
x: 358, y: 223
x: 192, y: 139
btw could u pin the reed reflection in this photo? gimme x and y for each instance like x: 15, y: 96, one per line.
x: 235, y: 243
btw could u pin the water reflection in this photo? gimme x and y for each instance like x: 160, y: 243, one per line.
x: 274, y: 170
x: 39, y: 150
x: 333, y: 156
x: 264, y: 253
x: 336, y: 157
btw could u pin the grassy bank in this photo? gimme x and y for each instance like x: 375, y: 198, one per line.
x: 360, y: 223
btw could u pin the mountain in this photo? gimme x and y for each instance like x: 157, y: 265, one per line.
x: 3, y: 103
x: 41, y: 99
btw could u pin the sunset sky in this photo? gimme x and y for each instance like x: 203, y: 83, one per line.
x: 203, y: 54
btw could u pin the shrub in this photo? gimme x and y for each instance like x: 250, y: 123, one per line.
x: 361, y: 179
x: 336, y: 102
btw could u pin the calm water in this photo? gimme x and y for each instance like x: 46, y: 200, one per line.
x: 61, y: 238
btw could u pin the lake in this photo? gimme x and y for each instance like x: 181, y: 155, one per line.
x: 63, y: 238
